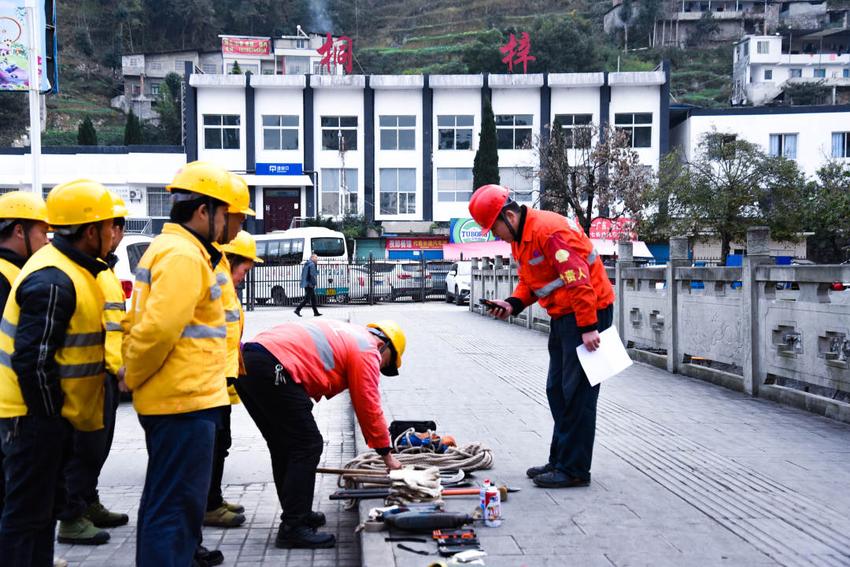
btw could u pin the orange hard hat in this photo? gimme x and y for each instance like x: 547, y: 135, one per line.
x: 486, y: 204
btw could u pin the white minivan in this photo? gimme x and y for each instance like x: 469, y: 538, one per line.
x: 278, y: 279
x: 459, y: 282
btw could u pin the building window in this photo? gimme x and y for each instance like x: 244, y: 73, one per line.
x: 156, y: 66
x: 576, y: 129
x: 155, y: 89
x: 841, y: 144
x: 768, y: 74
x: 454, y: 184
x: 180, y: 66
x: 455, y: 131
x: 513, y: 131
x: 280, y: 132
x: 762, y: 47
x: 745, y: 49
x: 784, y: 145
x: 845, y: 73
x: 210, y: 68
x: 520, y: 181
x: 137, y: 90
x: 221, y: 131
x: 339, y: 192
x: 339, y: 133
x: 637, y: 126
x: 159, y: 202
x: 398, y: 132
x: 796, y: 73
x: 398, y: 191
x: 300, y: 44
x: 820, y: 73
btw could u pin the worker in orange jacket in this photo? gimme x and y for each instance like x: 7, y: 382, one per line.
x: 293, y: 362
x: 560, y: 269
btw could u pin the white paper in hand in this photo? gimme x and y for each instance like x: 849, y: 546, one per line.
x: 606, y: 361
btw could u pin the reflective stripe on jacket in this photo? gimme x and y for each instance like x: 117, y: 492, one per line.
x: 328, y: 357
x: 559, y: 268
x: 80, y: 358
x: 175, y: 342
x: 113, y: 313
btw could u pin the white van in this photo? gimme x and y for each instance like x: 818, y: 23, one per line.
x: 278, y: 279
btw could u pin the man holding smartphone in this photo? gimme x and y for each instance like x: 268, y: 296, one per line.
x: 560, y: 269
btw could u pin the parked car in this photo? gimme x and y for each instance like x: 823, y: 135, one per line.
x: 459, y: 282
x: 129, y: 252
x: 438, y: 271
x: 409, y: 280
x: 359, y: 281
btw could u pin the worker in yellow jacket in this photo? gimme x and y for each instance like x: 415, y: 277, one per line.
x: 51, y: 367
x: 23, y: 231
x: 83, y: 513
x: 221, y: 513
x: 175, y: 364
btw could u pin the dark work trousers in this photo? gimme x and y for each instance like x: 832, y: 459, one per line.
x: 309, y: 295
x: 36, y: 449
x: 283, y: 413
x: 223, y: 440
x: 174, y: 499
x: 90, y: 450
x: 572, y: 400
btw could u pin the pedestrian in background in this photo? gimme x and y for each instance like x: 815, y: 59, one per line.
x: 309, y: 279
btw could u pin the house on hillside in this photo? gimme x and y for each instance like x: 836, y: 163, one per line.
x: 764, y: 67
x: 682, y: 23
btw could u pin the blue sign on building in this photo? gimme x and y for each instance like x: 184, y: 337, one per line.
x: 279, y: 169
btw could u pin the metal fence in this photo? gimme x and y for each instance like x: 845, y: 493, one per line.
x: 369, y: 282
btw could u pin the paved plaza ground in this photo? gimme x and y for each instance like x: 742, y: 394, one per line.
x: 685, y: 473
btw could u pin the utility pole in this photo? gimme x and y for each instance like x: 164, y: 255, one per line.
x: 33, y: 23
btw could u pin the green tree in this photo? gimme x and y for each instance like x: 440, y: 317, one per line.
x: 237, y: 70
x: 14, y: 116
x: 485, y: 168
x: 829, y: 214
x: 86, y: 134
x: 565, y: 45
x: 133, y: 130
x: 727, y: 186
x: 170, y: 110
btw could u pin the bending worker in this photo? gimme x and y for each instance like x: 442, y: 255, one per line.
x: 293, y: 362
x: 558, y: 267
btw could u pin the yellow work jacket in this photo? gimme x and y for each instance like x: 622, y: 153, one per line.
x: 9, y: 271
x: 175, y: 343
x: 113, y: 313
x: 79, y: 361
x: 233, y: 320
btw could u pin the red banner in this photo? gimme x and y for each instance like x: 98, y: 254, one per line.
x: 417, y: 243
x: 246, y: 45
x: 608, y: 229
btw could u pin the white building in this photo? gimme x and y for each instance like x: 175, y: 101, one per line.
x: 809, y: 135
x: 765, y: 65
x: 400, y: 148
x: 286, y: 55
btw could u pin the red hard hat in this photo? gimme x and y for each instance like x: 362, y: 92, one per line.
x: 486, y: 204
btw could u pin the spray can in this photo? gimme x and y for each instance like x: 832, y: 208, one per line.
x: 483, y: 497
x: 493, y: 510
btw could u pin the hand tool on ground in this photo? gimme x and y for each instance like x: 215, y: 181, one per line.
x: 447, y: 477
x: 427, y: 522
x: 411, y: 550
x: 407, y: 539
x: 503, y: 492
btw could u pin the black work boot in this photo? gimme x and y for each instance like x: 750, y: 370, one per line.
x: 302, y: 536
x: 315, y: 520
x: 536, y: 471
x: 207, y: 557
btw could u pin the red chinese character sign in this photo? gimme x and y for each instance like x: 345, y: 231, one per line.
x: 339, y: 53
x: 612, y: 229
x: 517, y: 52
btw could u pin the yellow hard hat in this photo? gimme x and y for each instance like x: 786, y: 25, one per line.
x: 204, y: 178
x: 242, y: 196
x: 243, y: 245
x: 23, y: 205
x: 81, y: 201
x: 395, y: 335
x: 120, y: 207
